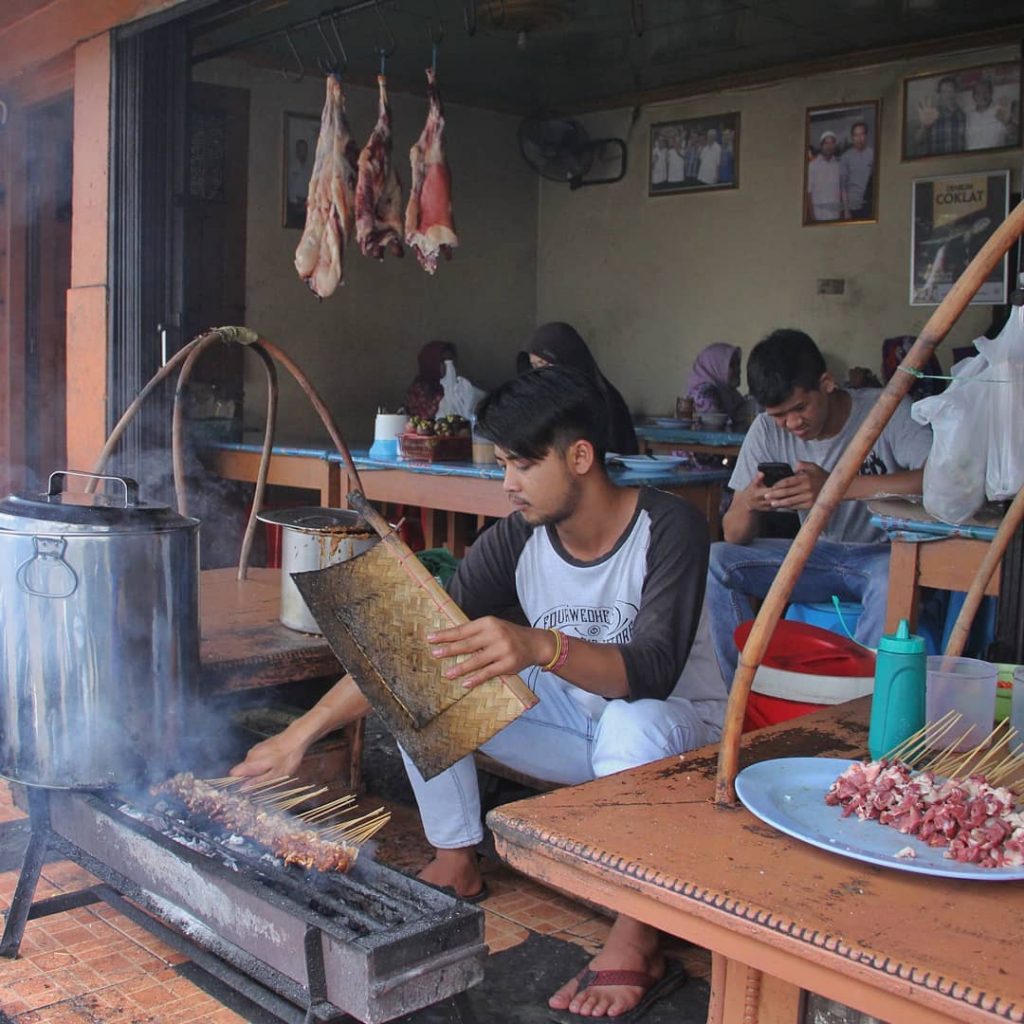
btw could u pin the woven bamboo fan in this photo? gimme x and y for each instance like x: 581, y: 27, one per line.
x: 375, y: 610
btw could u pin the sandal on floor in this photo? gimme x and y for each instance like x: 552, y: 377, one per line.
x: 477, y: 897
x: 654, y: 989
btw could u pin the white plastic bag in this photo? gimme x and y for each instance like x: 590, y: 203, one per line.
x: 954, y: 475
x: 1004, y: 401
x: 460, y: 396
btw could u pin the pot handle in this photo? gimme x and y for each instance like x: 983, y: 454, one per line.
x: 49, y: 552
x: 131, y: 488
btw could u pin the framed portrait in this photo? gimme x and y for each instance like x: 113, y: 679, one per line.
x: 694, y: 155
x: 953, y: 217
x: 973, y: 110
x: 841, y: 164
x: 300, y: 134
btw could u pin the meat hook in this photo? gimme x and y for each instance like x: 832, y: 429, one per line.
x: 289, y: 75
x: 436, y: 36
x: 384, y: 51
x: 636, y: 15
x: 335, y: 63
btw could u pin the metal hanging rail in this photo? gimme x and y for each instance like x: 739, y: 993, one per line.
x: 279, y: 33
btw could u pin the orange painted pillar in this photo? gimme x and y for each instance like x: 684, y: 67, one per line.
x: 87, y: 297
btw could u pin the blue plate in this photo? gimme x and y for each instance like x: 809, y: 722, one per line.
x: 789, y: 794
x: 649, y: 463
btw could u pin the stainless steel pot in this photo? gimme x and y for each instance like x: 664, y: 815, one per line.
x: 313, y: 538
x: 99, y: 636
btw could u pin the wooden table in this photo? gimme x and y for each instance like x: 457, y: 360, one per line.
x: 448, y: 488
x: 778, y: 915
x: 658, y: 439
x: 927, y: 553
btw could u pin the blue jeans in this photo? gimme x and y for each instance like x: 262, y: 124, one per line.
x: 738, y: 572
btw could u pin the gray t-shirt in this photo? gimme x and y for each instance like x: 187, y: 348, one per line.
x: 645, y: 596
x: 902, y: 445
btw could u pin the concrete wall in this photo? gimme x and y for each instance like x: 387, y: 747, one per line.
x: 650, y: 281
x: 359, y: 346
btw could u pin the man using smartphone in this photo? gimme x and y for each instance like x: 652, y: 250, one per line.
x: 807, y: 423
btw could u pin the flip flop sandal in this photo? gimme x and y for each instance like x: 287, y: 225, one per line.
x: 654, y: 989
x: 477, y: 897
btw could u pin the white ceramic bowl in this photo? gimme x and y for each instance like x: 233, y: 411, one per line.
x: 713, y: 420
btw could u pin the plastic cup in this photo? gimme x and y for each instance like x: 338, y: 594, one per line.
x: 1017, y: 708
x: 966, y: 686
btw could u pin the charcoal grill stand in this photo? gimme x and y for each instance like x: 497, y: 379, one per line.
x: 240, y: 971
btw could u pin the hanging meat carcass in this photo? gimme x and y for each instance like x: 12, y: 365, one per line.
x: 429, y: 227
x: 378, y: 189
x: 330, y: 204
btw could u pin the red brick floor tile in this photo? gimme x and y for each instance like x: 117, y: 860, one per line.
x: 79, y: 980
x: 501, y: 934
x: 36, y: 992
x: 11, y: 1006
x: 59, y: 1013
x: 50, y: 961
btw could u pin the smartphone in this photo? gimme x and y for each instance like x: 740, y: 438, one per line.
x: 774, y: 472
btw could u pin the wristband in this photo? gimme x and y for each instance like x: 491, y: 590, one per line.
x: 559, y: 645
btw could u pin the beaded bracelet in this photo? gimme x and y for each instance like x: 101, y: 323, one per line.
x: 559, y: 644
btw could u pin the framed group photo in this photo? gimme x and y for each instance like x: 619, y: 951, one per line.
x: 695, y: 154
x: 953, y: 217
x: 300, y: 135
x: 971, y: 110
x: 841, y: 164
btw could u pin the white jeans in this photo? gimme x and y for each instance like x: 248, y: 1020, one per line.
x: 566, y: 740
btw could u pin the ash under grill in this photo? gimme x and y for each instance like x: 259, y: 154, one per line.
x: 374, y: 943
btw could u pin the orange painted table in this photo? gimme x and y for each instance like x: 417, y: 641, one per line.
x: 451, y: 489
x: 779, y: 916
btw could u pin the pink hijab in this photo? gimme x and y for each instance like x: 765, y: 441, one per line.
x: 709, y: 378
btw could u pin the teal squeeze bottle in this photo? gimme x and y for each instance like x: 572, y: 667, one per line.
x: 897, y: 707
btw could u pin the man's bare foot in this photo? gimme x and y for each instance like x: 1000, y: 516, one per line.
x: 631, y: 946
x: 455, y: 869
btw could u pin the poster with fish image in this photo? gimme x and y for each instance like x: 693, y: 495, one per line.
x: 953, y: 217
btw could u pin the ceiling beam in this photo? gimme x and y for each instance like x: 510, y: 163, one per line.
x: 58, y: 26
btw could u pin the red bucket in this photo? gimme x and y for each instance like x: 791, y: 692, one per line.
x: 805, y: 668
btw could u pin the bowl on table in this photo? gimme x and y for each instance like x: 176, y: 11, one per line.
x: 714, y: 420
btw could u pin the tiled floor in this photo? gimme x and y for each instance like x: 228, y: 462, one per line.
x: 93, y: 965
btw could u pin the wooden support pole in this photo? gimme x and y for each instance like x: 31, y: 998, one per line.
x: 993, y: 556
x: 838, y: 482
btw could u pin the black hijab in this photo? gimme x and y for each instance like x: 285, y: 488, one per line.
x: 560, y: 344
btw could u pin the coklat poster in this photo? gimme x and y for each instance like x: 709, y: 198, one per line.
x: 953, y: 217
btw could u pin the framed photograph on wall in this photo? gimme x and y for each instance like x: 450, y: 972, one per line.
x: 953, y: 217
x: 300, y: 134
x: 694, y: 154
x: 972, y: 110
x: 841, y: 164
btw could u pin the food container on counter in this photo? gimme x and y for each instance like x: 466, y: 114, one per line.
x: 313, y: 538
x: 966, y: 686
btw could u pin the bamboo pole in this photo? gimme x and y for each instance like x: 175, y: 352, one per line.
x: 836, y: 486
x: 993, y: 556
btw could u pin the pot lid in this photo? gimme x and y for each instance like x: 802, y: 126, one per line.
x: 314, y: 519
x: 116, y: 510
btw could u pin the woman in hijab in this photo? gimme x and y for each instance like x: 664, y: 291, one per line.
x: 559, y: 344
x: 425, y: 392
x: 715, y: 379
